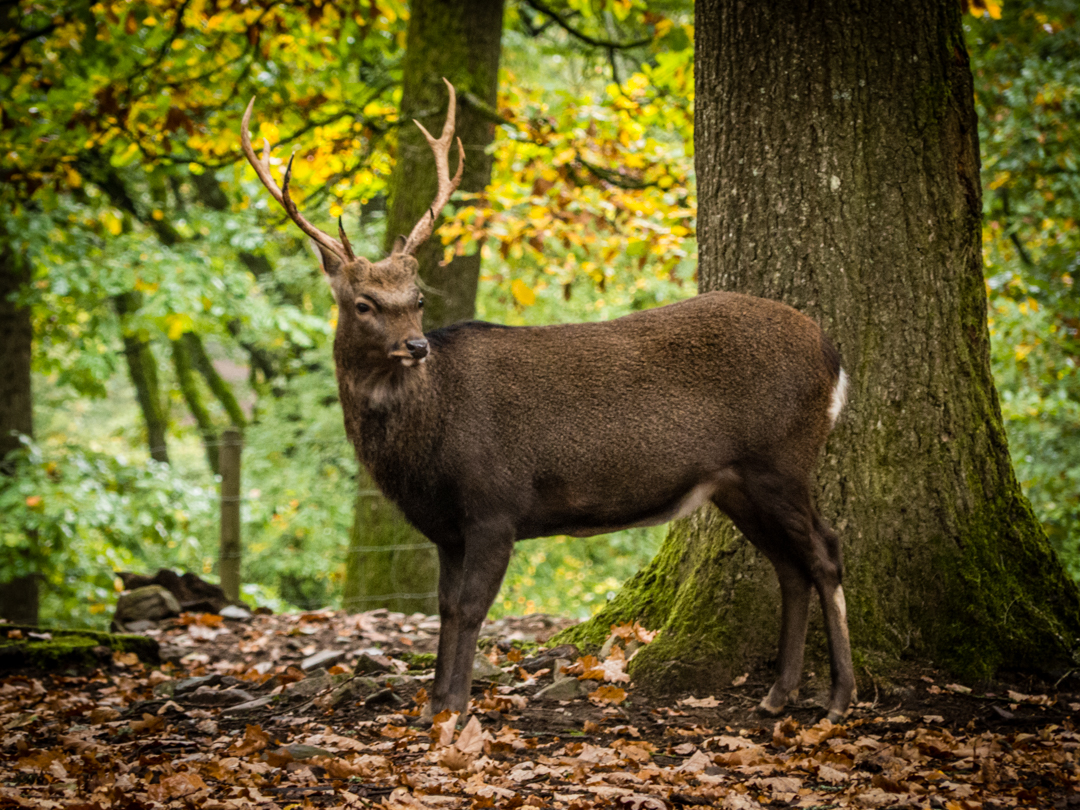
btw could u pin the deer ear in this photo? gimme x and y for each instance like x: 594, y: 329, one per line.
x: 329, y: 261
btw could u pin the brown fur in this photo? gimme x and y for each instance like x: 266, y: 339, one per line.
x: 506, y: 433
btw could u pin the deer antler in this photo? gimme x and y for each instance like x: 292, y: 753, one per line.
x: 342, y: 249
x: 441, y: 148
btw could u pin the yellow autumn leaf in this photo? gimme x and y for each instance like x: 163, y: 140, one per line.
x: 523, y: 293
x: 112, y: 223
x: 176, y: 324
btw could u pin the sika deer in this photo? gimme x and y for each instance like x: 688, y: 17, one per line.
x: 484, y: 435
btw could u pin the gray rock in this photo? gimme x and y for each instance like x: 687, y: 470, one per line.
x: 605, y: 651
x: 355, y: 689
x: 324, y: 658
x: 191, y: 684
x: 384, y: 697
x: 139, y: 626
x: 235, y: 612
x: 208, y: 696
x: 314, y: 683
x: 246, y: 707
x: 566, y: 689
x: 367, y: 662
x: 149, y: 603
x: 557, y: 667
x: 483, y: 669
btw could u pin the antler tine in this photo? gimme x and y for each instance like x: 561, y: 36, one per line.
x: 262, y: 169
x: 440, y: 147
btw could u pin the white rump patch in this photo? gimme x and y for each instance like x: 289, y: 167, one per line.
x: 839, y: 398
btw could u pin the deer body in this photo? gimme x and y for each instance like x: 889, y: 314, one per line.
x: 484, y: 435
x: 588, y: 428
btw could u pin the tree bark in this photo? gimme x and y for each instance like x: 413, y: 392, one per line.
x: 142, y: 367
x: 459, y: 40
x: 838, y: 170
x: 221, y: 389
x: 19, y: 594
x: 185, y: 378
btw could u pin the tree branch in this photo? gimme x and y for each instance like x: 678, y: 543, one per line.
x: 561, y: 21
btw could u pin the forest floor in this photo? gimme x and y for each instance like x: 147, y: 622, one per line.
x: 321, y: 710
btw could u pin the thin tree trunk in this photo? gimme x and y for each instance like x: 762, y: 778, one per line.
x: 192, y: 396
x: 19, y: 593
x: 838, y: 170
x: 459, y: 40
x: 221, y: 389
x: 142, y: 367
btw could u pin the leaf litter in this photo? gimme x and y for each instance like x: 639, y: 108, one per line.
x: 243, y: 716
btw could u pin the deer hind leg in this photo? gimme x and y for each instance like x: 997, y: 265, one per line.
x: 769, y: 537
x: 778, y: 516
x: 834, y: 608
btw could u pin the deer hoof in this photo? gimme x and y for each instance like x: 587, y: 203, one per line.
x: 835, y: 717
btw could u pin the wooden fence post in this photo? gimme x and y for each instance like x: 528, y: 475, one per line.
x: 229, y: 551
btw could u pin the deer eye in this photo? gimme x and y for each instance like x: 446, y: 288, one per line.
x: 420, y: 304
x: 362, y: 307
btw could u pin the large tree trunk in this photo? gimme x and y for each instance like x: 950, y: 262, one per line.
x: 838, y: 170
x: 459, y: 40
x: 19, y: 594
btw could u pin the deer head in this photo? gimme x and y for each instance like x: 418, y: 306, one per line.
x: 379, y: 303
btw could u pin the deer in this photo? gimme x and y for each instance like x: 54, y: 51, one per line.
x: 484, y: 435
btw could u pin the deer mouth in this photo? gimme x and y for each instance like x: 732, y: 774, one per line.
x: 407, y: 360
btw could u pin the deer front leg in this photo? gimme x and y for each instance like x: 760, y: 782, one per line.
x: 451, y: 571
x: 471, y: 584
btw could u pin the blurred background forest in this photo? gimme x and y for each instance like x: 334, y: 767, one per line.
x: 170, y: 299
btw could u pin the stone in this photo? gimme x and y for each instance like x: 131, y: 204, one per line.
x: 384, y: 697
x: 324, y: 658
x: 557, y: 669
x: 149, y: 603
x: 314, y: 683
x: 483, y: 669
x: 191, y: 684
x: 246, y: 707
x: 367, y: 663
x: 194, y: 594
x: 209, y: 696
x: 545, y: 659
x: 139, y: 626
x: 235, y: 612
x: 565, y: 689
x: 353, y: 689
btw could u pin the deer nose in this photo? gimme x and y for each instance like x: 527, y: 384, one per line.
x: 417, y: 348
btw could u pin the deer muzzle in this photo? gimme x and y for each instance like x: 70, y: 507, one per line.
x: 411, y: 351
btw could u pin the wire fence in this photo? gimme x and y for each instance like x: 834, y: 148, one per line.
x: 231, y: 558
